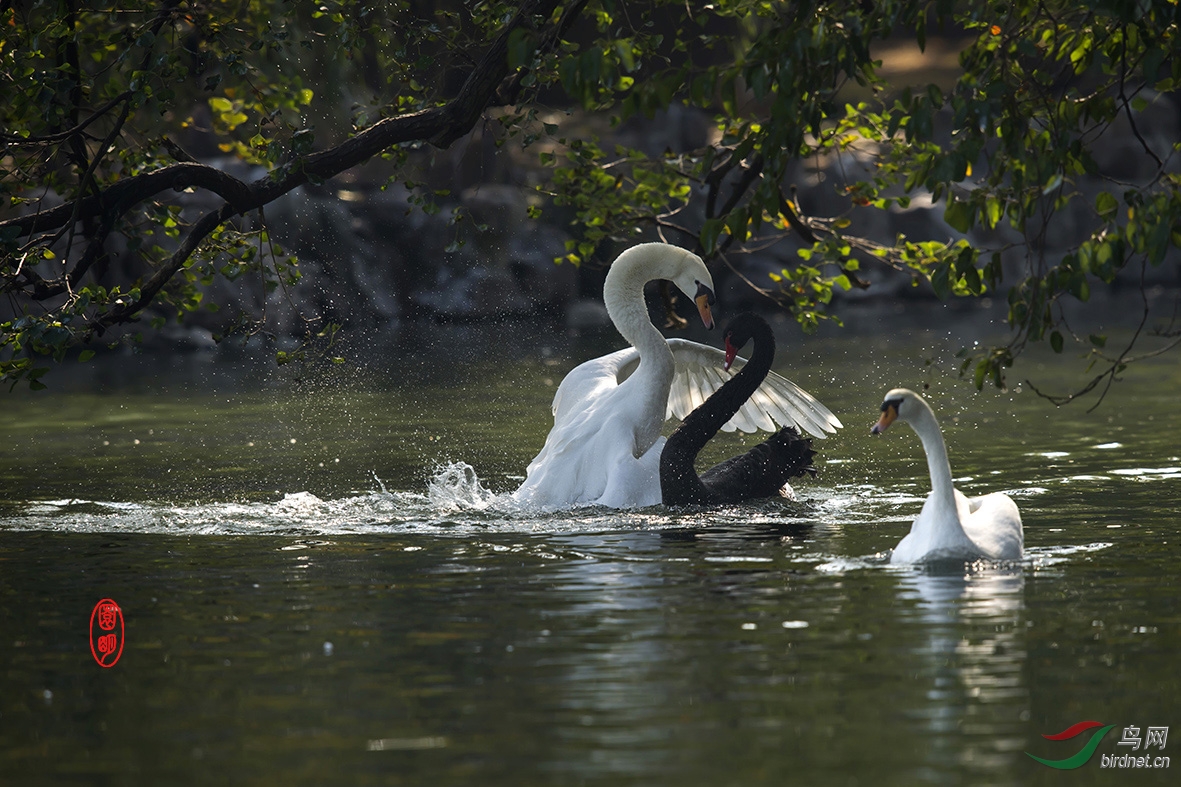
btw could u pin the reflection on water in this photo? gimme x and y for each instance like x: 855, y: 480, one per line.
x: 973, y: 655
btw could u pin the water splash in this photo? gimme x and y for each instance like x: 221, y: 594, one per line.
x: 456, y: 487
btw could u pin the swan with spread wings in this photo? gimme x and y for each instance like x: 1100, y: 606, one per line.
x: 605, y: 444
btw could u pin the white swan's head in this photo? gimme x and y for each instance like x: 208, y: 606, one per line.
x: 900, y: 404
x: 704, y: 298
x: 691, y: 276
x: 698, y: 285
x: 647, y: 261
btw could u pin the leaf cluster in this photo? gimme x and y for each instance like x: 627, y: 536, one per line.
x: 112, y: 116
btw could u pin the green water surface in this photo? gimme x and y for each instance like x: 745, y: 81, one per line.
x: 302, y: 608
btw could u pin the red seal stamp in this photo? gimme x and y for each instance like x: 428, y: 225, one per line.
x: 106, y: 632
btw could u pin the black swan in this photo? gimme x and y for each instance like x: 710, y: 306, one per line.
x: 764, y: 470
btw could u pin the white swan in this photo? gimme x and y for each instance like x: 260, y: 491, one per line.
x: 604, y: 448
x: 950, y: 526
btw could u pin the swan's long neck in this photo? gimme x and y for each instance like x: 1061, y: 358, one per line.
x: 942, y: 490
x: 678, y: 478
x: 703, y: 423
x: 623, y: 294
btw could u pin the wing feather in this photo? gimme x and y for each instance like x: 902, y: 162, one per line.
x: 778, y: 401
x: 695, y: 385
x: 758, y: 409
x: 743, y: 423
x: 680, y: 403
x: 589, y: 379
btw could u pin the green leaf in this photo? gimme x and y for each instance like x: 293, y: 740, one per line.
x: 959, y: 215
x: 736, y: 225
x: 993, y: 211
x: 1056, y: 341
x: 56, y: 336
x: 1106, y: 205
x: 940, y: 281
x: 234, y: 119
x: 709, y: 234
x: 972, y: 281
x: 85, y: 356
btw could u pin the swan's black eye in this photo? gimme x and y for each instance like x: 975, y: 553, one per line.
x: 895, y: 403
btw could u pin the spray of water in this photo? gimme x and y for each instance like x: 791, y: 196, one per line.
x: 455, y: 487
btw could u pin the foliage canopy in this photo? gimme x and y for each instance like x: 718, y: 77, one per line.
x: 97, y: 103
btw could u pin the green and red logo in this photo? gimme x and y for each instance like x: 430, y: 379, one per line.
x: 1136, y: 757
x: 1084, y: 754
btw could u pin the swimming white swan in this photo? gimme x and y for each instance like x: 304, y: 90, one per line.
x: 950, y: 526
x: 604, y: 448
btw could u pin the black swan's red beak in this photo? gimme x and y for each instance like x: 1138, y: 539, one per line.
x: 731, y: 353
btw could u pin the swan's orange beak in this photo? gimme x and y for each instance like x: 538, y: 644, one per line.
x: 889, y: 413
x: 705, y: 298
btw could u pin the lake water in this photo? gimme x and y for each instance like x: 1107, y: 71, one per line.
x: 322, y: 583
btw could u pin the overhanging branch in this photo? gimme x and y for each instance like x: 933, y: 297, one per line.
x: 439, y: 126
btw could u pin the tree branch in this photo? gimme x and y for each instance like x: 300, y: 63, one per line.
x: 120, y: 197
x: 787, y: 210
x: 439, y: 125
x: 1115, y: 365
x: 750, y: 174
x: 510, y: 90
x: 148, y: 291
x: 60, y: 136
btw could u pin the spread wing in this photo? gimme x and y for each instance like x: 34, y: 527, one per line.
x: 776, y: 403
x: 700, y: 371
x: 591, y: 379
